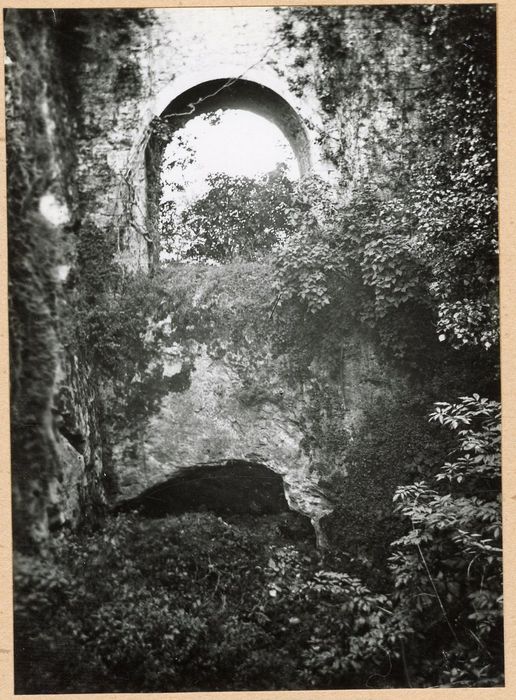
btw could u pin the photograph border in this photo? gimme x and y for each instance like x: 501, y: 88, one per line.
x: 506, y: 89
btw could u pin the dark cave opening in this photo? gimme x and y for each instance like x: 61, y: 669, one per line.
x: 231, y: 486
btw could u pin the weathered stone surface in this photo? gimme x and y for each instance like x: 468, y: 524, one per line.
x: 209, y: 423
x: 243, y: 400
x: 54, y: 482
x: 84, y: 89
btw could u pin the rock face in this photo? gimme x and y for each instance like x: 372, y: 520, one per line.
x: 56, y: 450
x: 245, y: 400
x: 209, y: 424
x: 85, y: 93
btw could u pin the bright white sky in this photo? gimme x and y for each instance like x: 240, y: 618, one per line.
x: 240, y: 144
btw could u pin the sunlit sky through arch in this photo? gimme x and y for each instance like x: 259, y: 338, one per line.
x: 238, y: 143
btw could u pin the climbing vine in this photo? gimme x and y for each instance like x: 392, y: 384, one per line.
x: 439, y: 199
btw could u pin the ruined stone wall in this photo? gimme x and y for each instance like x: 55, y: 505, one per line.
x: 56, y: 443
x: 162, y: 53
x: 125, y: 73
x: 84, y: 88
x: 211, y: 420
x: 124, y: 69
x: 246, y: 394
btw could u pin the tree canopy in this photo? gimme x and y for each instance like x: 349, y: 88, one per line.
x: 238, y: 217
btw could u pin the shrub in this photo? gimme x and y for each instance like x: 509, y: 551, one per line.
x: 448, y: 567
x: 188, y: 603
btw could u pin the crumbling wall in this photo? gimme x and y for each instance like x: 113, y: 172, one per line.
x: 84, y: 88
x: 56, y: 441
x: 71, y: 83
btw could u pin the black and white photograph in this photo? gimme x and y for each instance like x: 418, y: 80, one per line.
x: 254, y: 348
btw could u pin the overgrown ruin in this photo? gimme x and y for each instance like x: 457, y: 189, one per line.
x: 270, y: 460
x: 85, y: 175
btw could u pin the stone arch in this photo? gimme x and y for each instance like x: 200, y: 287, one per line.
x: 239, y: 93
x: 182, y: 101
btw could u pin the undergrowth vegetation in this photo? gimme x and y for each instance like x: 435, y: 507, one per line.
x: 186, y: 603
x: 198, y: 603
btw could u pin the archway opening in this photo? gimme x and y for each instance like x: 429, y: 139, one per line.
x: 225, y: 182
x: 221, y: 164
x: 240, y: 94
x: 233, y: 141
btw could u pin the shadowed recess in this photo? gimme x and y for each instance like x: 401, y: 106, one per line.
x: 231, y: 486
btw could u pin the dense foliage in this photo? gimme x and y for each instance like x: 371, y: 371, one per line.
x: 340, y: 271
x: 434, y: 161
x: 237, y: 217
x: 411, y: 259
x: 447, y: 567
x: 192, y: 603
x: 198, y: 603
